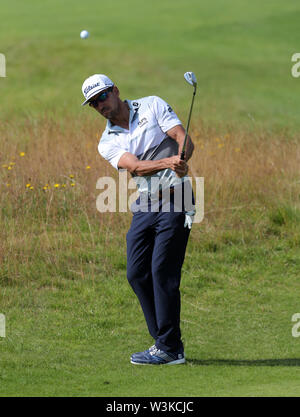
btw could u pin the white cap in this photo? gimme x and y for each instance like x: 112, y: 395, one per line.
x: 94, y: 85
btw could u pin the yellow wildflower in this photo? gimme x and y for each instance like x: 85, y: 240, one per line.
x: 87, y: 167
x: 56, y: 185
x: 22, y: 154
x: 28, y: 185
x: 71, y: 176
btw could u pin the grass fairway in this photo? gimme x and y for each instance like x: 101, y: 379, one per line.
x: 72, y: 320
x: 240, y: 52
x: 71, y: 332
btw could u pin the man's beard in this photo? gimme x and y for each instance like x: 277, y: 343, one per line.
x: 109, y: 114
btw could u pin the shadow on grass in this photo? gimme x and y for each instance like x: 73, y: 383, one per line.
x: 244, y: 362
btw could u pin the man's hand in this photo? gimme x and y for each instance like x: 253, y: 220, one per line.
x: 178, y: 165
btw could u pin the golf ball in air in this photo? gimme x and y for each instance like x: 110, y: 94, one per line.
x: 84, y: 34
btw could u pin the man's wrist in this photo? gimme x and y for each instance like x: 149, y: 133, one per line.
x: 166, y: 163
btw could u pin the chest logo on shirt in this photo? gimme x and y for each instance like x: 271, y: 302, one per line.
x: 142, y: 122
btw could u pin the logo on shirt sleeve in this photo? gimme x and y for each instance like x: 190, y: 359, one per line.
x: 170, y: 109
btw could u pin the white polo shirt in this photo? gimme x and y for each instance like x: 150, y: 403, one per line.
x: 149, y: 120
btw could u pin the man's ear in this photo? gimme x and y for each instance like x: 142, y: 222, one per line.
x: 116, y: 90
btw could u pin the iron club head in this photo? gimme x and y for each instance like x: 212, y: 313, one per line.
x: 190, y: 77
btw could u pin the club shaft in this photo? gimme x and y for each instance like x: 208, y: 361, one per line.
x: 182, y: 156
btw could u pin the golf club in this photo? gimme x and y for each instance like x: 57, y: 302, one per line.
x: 191, y: 79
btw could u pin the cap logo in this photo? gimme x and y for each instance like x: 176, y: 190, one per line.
x: 90, y: 87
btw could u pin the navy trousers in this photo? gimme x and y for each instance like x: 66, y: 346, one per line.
x: 156, y: 244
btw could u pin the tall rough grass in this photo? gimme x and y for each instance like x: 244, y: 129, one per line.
x: 48, y: 197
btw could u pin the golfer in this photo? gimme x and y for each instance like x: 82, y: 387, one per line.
x: 145, y: 137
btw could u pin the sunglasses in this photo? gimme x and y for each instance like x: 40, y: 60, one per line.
x: 101, y: 98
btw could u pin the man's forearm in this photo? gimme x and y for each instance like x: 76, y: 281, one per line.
x: 150, y: 167
x: 178, y: 133
x: 189, y: 149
